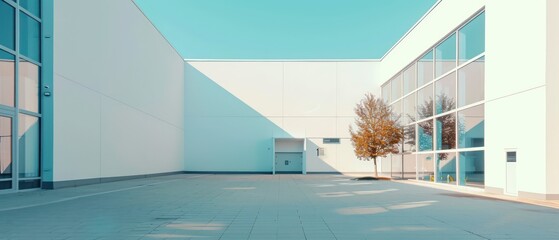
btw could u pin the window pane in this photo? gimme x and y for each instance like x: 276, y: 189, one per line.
x: 425, y: 69
x: 446, y: 168
x: 28, y: 140
x: 471, y: 80
x: 472, y: 39
x: 7, y: 25
x: 28, y: 86
x: 397, y: 111
x: 396, y: 166
x: 409, y: 79
x: 471, y: 129
x: 410, y: 109
x: 472, y: 169
x: 425, y: 102
x: 425, y: 135
x: 33, y: 6
x: 446, y: 132
x: 445, y: 56
x: 445, y: 92
x: 7, y: 78
x: 5, y: 147
x: 396, y: 87
x: 425, y: 167
x: 385, y: 167
x: 386, y: 92
x: 409, y: 166
x: 409, y: 138
x: 30, y: 37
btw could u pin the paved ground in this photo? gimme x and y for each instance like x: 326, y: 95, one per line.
x: 267, y: 207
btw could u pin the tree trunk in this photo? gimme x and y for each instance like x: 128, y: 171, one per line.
x: 376, y: 171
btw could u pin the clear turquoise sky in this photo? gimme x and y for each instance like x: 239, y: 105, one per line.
x: 284, y: 29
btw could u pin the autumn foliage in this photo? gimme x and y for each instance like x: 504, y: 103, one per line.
x: 377, y: 132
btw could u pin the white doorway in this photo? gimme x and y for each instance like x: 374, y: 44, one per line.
x: 289, y: 156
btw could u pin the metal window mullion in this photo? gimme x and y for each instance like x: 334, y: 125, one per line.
x: 31, y: 15
x: 27, y: 112
x: 8, y: 50
x: 27, y: 59
x: 456, y: 121
x: 15, y: 122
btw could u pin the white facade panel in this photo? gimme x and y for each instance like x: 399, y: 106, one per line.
x: 514, y: 64
x: 310, y: 89
x: 80, y: 156
x: 259, y: 84
x: 507, y: 130
x: 354, y: 80
x: 119, y: 86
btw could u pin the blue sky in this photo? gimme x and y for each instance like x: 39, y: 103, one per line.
x: 284, y: 29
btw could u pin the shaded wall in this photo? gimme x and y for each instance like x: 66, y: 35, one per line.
x: 118, y: 93
x: 235, y: 108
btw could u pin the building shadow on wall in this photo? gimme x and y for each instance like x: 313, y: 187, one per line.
x: 225, y: 134
x: 222, y: 133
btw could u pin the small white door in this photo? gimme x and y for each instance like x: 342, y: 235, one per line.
x: 289, y: 162
x: 511, y: 188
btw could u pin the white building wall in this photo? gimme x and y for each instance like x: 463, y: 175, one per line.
x: 515, y: 93
x: 118, y: 93
x: 235, y: 108
x: 552, y: 98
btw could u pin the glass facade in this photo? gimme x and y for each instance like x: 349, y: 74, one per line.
x: 442, y: 105
x: 20, y: 81
x: 445, y: 56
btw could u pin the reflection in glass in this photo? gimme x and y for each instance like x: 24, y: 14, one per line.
x: 28, y: 86
x: 409, y: 166
x: 396, y: 87
x: 397, y: 111
x: 386, y: 92
x: 425, y: 102
x: 7, y: 25
x: 425, y: 69
x: 396, y: 172
x: 33, y: 6
x: 7, y: 78
x: 471, y: 81
x: 471, y: 129
x: 29, y: 37
x: 472, y: 169
x: 425, y: 135
x: 408, y: 77
x: 28, y: 140
x: 386, y: 165
x: 409, y: 138
x: 445, y: 93
x: 5, y: 147
x: 471, y: 39
x: 408, y: 115
x: 445, y: 56
x: 446, y: 132
x: 446, y: 168
x: 425, y: 167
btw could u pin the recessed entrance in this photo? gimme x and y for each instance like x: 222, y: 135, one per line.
x: 288, y: 156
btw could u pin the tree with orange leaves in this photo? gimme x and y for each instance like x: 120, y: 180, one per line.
x: 378, y: 132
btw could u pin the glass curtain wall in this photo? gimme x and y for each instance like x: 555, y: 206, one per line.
x: 440, y: 97
x: 20, y: 78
